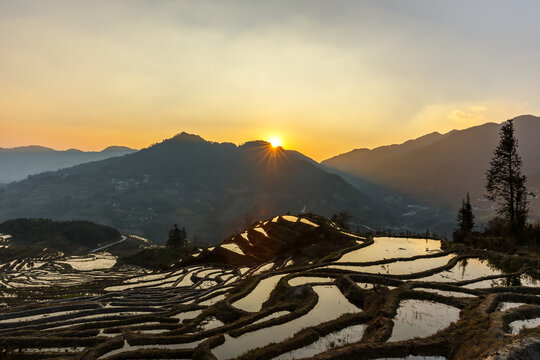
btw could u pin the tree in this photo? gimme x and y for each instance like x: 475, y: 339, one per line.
x: 505, y: 183
x: 342, y: 219
x: 465, y: 216
x: 177, y: 238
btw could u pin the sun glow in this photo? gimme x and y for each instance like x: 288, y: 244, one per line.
x: 275, y: 141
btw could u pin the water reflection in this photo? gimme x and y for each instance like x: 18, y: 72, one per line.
x: 389, y: 247
x: 419, y: 318
x: 331, y: 304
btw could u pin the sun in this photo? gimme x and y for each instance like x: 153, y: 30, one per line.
x: 275, y: 141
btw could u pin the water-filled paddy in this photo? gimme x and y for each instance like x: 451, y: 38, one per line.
x: 399, y: 267
x: 272, y: 316
x: 331, y: 305
x: 388, y: 247
x: 187, y: 315
x: 147, y: 304
x: 419, y: 318
x: 509, y: 305
x: 339, y: 338
x: 301, y: 280
x: 446, y: 293
x: 516, y: 326
x: 254, y: 300
x: 91, y: 262
x: 468, y: 269
x: 128, y: 347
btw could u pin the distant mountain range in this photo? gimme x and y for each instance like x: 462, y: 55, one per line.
x: 18, y: 163
x: 213, y: 189
x: 216, y: 189
x: 439, y: 169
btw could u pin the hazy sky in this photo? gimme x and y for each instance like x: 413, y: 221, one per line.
x: 326, y: 76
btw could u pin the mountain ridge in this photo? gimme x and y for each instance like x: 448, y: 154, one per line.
x: 19, y: 162
x: 211, y: 188
x: 442, y: 171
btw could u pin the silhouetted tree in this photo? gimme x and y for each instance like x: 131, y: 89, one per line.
x: 505, y: 183
x: 177, y: 238
x: 342, y: 219
x: 465, y: 216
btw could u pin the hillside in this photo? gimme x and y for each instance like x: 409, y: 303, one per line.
x: 440, y: 168
x: 213, y: 189
x: 20, y: 162
x: 70, y: 236
x: 283, y: 239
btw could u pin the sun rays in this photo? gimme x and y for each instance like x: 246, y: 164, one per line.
x: 275, y: 141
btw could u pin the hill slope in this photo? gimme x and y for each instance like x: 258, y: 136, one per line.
x: 281, y: 239
x: 440, y: 169
x: 213, y: 189
x: 65, y: 235
x: 17, y: 163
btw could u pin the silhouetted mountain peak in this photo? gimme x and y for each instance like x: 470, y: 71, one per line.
x: 256, y: 144
x: 184, y: 136
x: 115, y: 148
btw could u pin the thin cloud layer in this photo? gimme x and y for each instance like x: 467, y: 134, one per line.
x: 326, y: 76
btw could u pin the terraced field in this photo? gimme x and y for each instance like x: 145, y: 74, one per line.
x: 379, y: 298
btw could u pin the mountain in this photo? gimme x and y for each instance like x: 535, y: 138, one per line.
x: 20, y: 162
x: 213, y: 189
x: 440, y: 169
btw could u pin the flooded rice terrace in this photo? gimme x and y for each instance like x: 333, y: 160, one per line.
x: 391, y: 298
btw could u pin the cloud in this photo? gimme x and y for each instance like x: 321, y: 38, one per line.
x: 335, y: 76
x: 448, y: 116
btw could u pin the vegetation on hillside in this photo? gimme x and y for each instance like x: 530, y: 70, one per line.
x: 342, y: 219
x: 161, y: 258
x: 505, y: 184
x: 177, y: 238
x: 60, y: 235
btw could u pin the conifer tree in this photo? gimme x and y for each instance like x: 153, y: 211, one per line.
x: 465, y: 216
x: 342, y: 219
x: 177, y: 238
x: 505, y: 183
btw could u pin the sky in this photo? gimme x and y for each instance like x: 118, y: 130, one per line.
x: 324, y: 76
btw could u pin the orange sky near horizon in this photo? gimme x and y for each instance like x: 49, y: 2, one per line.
x: 326, y: 77
x: 93, y: 139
